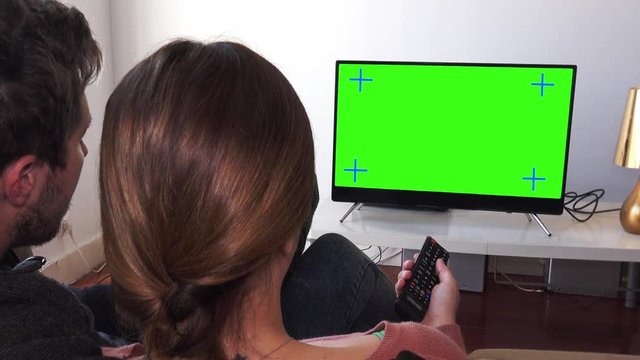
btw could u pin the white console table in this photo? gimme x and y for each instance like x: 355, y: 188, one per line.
x: 483, y: 232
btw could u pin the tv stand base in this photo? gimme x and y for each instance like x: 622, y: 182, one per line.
x: 529, y: 216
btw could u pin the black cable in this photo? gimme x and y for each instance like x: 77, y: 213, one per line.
x: 575, y: 203
x: 378, y: 258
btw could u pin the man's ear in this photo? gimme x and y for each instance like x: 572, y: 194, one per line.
x: 20, y: 178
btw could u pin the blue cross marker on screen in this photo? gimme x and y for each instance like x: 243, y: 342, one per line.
x: 360, y: 80
x: 533, y: 179
x: 355, y: 169
x: 542, y: 84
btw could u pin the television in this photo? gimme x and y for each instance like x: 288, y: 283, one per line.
x: 452, y: 135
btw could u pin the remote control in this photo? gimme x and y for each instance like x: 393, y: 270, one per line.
x: 414, y: 299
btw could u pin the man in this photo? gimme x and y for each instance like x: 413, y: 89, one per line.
x: 47, y: 58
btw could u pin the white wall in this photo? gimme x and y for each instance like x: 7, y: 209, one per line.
x: 84, y: 213
x: 305, y: 38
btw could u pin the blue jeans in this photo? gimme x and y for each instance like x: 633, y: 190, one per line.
x: 333, y: 288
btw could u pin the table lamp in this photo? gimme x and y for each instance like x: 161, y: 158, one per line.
x: 628, y: 155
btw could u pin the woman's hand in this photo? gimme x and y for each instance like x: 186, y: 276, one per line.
x: 405, y: 274
x: 445, y: 296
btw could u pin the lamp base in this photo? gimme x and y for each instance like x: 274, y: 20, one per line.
x: 630, y: 211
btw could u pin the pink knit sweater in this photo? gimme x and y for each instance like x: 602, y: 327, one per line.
x: 444, y: 342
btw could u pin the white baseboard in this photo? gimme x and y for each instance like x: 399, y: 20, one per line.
x: 72, y: 266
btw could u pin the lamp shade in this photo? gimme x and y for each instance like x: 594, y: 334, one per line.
x: 628, y: 149
x: 628, y: 155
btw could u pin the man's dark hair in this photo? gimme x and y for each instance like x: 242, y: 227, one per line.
x: 47, y: 58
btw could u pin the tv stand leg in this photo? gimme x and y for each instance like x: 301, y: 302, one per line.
x: 537, y: 219
x: 358, y: 205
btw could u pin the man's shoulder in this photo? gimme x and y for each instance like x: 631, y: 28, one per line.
x: 44, y: 316
x: 25, y: 290
x: 24, y: 280
x: 9, y: 260
x: 26, y: 296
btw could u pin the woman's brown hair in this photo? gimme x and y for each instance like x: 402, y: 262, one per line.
x: 206, y: 170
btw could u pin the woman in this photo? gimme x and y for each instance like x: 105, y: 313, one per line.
x: 206, y: 179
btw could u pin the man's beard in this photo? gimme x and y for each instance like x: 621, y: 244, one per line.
x: 40, y: 223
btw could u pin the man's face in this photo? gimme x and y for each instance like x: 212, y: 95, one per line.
x: 40, y: 223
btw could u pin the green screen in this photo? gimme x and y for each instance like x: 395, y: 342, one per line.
x: 472, y: 129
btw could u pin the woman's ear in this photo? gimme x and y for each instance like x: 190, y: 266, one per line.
x: 290, y: 246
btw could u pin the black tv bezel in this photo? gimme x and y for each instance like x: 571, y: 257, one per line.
x: 410, y: 198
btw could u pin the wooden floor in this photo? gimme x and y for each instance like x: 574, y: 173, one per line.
x: 505, y: 317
